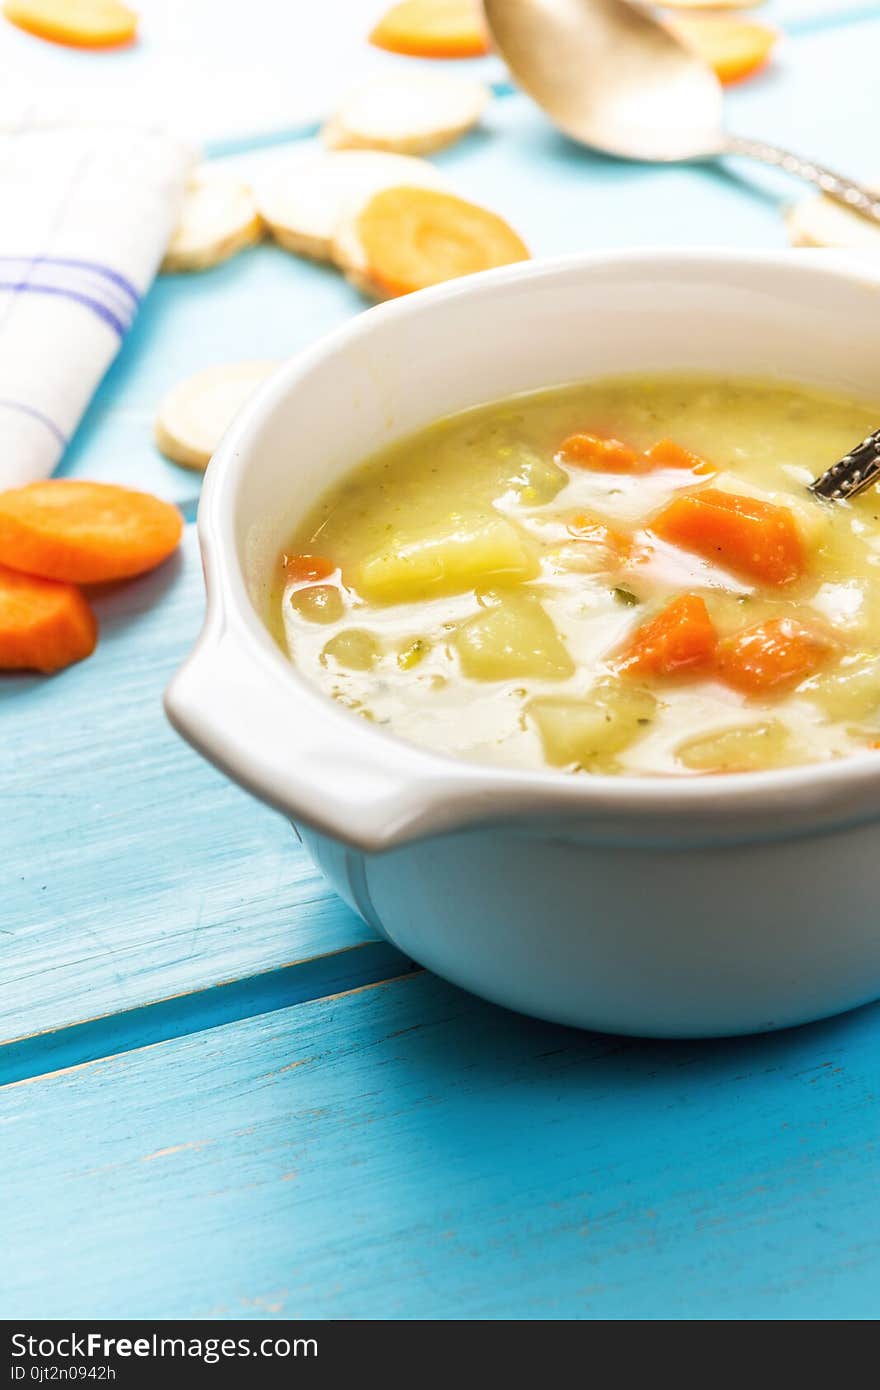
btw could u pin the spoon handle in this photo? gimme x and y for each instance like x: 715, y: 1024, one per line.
x: 842, y: 190
x: 854, y: 473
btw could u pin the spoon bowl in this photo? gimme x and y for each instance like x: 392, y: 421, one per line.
x: 611, y: 77
x: 615, y: 78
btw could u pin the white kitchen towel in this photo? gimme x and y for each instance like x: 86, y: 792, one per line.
x: 87, y: 211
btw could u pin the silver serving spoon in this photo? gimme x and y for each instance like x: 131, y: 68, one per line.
x: 613, y: 77
x: 854, y: 473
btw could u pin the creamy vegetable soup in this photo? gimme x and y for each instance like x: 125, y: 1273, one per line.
x: 622, y: 577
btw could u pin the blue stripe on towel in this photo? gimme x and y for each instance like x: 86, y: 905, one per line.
x: 80, y: 282
x: 86, y: 300
x: 36, y: 415
x: 95, y: 267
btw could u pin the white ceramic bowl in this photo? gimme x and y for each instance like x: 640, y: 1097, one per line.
x: 654, y: 906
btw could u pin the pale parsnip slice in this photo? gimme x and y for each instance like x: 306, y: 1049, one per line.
x: 218, y: 218
x: 456, y: 554
x: 406, y: 113
x: 194, y: 415
x: 820, y: 221
x: 511, y: 639
x: 303, y: 199
x: 578, y: 731
x: 850, y: 690
x: 744, y: 748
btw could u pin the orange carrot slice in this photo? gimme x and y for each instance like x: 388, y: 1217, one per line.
x: 305, y: 568
x: 409, y: 238
x: 433, y: 29
x: 605, y: 455
x: 772, y: 657
x: 77, y: 23
x: 754, y: 538
x: 733, y: 48
x: 44, y: 625
x: 667, y: 454
x: 680, y: 639
x: 85, y: 533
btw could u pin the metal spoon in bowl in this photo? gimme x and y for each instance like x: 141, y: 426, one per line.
x: 614, y: 78
x: 854, y: 473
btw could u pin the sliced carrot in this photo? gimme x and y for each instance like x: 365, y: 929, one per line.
x: 605, y: 455
x: 304, y: 568
x: 85, y: 533
x: 754, y: 538
x: 44, y: 625
x: 681, y: 638
x: 77, y: 23
x: 410, y: 238
x: 772, y: 657
x: 733, y: 48
x: 667, y: 454
x: 433, y: 29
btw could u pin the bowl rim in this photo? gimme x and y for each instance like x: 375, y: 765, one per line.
x: 448, y: 792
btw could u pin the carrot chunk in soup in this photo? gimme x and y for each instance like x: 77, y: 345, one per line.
x: 306, y: 568
x: 605, y: 455
x: 681, y: 638
x: 772, y: 657
x: 667, y: 454
x: 751, y: 537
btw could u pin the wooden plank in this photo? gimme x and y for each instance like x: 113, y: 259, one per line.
x: 133, y: 870
x: 406, y: 1151
x: 183, y: 1014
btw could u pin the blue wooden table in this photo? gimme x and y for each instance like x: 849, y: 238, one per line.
x: 219, y: 1094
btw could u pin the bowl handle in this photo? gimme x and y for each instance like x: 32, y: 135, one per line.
x: 300, y: 752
